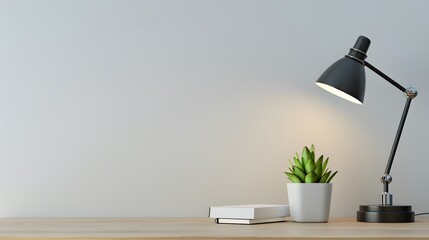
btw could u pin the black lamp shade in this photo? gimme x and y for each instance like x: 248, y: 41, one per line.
x: 345, y: 78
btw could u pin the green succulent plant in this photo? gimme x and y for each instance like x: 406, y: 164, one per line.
x: 309, y: 170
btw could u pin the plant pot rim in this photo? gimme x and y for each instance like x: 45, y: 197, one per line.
x: 309, y: 183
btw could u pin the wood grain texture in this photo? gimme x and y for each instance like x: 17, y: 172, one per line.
x: 195, y: 229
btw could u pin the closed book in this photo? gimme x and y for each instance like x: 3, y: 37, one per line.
x: 248, y: 221
x: 253, y: 211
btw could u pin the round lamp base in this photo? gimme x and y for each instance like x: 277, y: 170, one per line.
x: 385, y: 213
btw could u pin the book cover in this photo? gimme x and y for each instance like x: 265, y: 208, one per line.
x: 252, y: 211
x: 248, y: 221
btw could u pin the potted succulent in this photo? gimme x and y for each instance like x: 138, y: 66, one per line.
x: 310, y: 191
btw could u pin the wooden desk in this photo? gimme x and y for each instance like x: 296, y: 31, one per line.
x: 196, y: 229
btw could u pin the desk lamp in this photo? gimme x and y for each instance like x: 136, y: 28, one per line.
x: 346, y: 78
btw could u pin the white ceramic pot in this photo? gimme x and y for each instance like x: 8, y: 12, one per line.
x: 309, y: 202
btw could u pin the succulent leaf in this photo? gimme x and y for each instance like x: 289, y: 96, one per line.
x: 318, y: 170
x: 311, y: 178
x: 312, y: 149
x: 325, y: 164
x: 297, y: 163
x: 327, y: 169
x: 319, y: 161
x: 299, y: 173
x: 290, y: 162
x: 330, y: 178
x: 313, y: 155
x: 324, y: 177
x: 310, y: 166
x: 306, y: 155
x: 293, y: 178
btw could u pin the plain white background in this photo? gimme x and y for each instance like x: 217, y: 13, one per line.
x: 164, y: 108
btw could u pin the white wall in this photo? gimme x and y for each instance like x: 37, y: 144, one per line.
x: 164, y: 108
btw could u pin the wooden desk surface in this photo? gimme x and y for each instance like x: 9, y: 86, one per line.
x: 196, y: 229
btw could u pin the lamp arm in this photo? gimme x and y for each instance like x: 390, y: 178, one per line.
x: 386, y: 179
x: 387, y: 78
x: 410, y: 93
x: 398, y: 136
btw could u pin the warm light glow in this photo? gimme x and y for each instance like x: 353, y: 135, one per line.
x: 339, y: 93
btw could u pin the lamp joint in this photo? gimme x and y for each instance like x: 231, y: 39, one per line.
x: 411, y: 92
x: 386, y: 178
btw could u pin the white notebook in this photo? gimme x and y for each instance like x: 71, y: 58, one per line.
x: 253, y: 211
